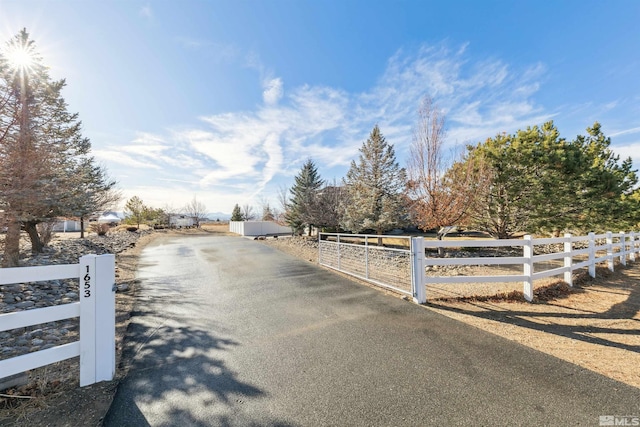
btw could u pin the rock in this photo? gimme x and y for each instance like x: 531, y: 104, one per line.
x: 21, y: 296
x: 25, y: 304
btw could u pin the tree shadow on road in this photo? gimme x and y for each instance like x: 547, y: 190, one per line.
x: 178, y: 374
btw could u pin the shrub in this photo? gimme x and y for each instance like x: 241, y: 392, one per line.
x: 45, y: 229
x: 99, y: 229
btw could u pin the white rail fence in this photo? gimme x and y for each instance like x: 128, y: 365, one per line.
x: 338, y: 251
x: 96, y: 309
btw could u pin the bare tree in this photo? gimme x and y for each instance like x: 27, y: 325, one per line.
x: 440, y: 192
x: 280, y: 213
x: 170, y: 211
x: 247, y: 213
x: 197, y: 210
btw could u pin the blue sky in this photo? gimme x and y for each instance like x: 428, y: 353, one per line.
x: 225, y: 100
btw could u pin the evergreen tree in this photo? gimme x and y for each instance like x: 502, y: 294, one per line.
x: 606, y: 185
x: 135, y: 211
x: 267, y: 213
x: 44, y: 160
x: 303, y: 206
x: 374, y: 188
x: 236, y: 214
x: 539, y: 182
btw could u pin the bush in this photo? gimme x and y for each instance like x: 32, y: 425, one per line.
x: 99, y: 229
x: 45, y: 229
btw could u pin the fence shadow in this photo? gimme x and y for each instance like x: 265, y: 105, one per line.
x: 179, y: 371
x: 586, y: 331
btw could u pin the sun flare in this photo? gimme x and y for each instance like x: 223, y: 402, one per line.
x: 19, y: 57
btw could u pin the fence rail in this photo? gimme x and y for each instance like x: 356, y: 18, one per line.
x: 596, y: 248
x: 96, y: 309
x: 352, y: 254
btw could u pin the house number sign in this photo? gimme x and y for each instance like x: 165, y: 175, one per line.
x: 87, y: 284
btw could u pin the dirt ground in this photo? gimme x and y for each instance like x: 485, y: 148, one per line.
x: 595, y: 325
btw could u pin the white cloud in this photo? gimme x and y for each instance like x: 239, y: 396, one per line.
x: 273, y: 91
x: 628, y: 150
x: 119, y: 157
x: 626, y: 132
x: 238, y: 155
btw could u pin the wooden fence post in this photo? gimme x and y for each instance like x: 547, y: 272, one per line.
x: 592, y: 254
x: 418, y: 285
x: 632, y: 252
x: 528, y: 268
x: 568, y: 259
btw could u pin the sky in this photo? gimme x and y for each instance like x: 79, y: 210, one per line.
x: 223, y: 101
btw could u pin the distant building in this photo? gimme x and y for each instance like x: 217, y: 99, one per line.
x: 66, y: 225
x: 181, y: 221
x: 110, y: 218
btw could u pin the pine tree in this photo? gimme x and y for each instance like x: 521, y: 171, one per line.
x: 303, y: 207
x: 236, y: 214
x: 541, y: 183
x: 267, y: 213
x: 135, y: 210
x: 44, y: 160
x: 374, y: 188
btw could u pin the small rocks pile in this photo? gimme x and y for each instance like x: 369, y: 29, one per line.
x: 26, y: 296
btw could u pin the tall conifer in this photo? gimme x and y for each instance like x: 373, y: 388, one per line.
x: 374, y: 188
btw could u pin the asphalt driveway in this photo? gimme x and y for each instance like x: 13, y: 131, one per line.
x: 230, y: 332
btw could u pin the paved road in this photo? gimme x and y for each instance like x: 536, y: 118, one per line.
x: 229, y: 332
